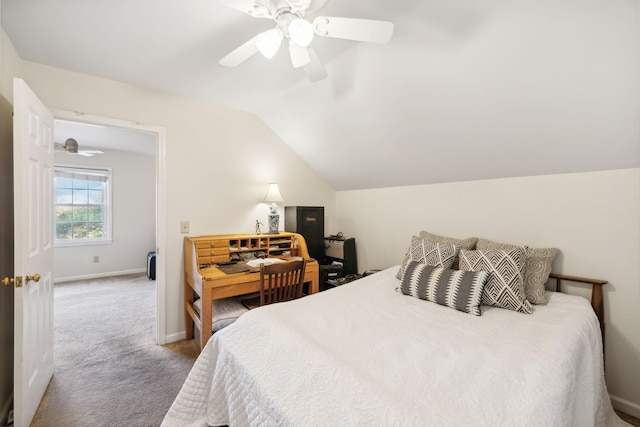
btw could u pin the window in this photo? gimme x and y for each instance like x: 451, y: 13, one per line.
x: 82, y: 205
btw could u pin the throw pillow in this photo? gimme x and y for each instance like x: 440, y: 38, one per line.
x: 536, y: 271
x: 461, y: 290
x: 505, y: 286
x: 430, y: 253
x: 468, y: 244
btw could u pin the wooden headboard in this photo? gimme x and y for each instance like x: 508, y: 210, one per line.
x: 597, y: 299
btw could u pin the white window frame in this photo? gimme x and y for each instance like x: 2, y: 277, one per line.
x: 108, y: 210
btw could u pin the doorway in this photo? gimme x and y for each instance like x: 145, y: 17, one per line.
x: 95, y: 133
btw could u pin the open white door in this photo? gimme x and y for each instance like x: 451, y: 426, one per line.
x: 33, y: 251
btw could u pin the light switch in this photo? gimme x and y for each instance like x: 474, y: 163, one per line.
x: 184, y: 227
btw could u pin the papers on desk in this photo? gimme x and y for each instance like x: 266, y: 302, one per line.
x: 255, y: 263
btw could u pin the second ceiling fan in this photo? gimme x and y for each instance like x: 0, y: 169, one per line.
x: 292, y: 28
x: 71, y: 147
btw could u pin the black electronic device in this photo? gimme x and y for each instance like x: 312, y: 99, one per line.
x: 342, y: 250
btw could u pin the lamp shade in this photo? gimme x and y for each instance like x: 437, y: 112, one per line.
x: 273, y: 194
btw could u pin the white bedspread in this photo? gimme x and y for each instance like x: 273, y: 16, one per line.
x: 363, y: 354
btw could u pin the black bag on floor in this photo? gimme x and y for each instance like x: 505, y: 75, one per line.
x: 151, y: 265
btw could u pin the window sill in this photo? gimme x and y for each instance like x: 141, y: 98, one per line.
x: 87, y: 242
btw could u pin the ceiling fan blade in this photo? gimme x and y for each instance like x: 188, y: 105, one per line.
x: 90, y: 152
x: 248, y: 6
x: 300, y: 56
x: 314, y: 69
x: 364, y: 30
x: 240, y: 54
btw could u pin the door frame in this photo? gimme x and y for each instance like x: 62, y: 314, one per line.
x: 160, y: 133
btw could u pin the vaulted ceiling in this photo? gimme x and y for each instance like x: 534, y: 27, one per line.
x: 464, y: 90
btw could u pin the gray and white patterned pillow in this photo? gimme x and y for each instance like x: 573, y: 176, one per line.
x: 461, y: 290
x: 430, y: 253
x: 468, y: 244
x: 536, y: 271
x: 505, y: 286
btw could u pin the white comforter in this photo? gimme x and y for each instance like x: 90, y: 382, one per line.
x: 363, y: 354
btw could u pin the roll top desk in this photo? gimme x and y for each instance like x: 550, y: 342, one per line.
x: 204, y: 277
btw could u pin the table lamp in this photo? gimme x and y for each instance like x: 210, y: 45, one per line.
x: 273, y: 196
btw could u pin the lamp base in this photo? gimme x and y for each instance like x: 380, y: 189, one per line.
x: 274, y: 223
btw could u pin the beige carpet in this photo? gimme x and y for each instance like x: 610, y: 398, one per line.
x: 108, y: 371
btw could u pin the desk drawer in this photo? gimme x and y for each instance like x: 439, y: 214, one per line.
x: 213, y: 259
x: 210, y: 244
x: 213, y: 252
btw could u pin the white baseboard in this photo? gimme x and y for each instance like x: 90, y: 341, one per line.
x: 174, y: 337
x: 4, y: 412
x: 626, y: 406
x: 98, y: 275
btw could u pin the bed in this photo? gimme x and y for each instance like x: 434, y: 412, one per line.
x: 371, y: 352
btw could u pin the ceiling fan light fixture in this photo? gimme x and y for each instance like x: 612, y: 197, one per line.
x: 269, y: 42
x: 71, y: 145
x: 301, y: 32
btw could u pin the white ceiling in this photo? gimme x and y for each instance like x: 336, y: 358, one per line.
x: 465, y: 90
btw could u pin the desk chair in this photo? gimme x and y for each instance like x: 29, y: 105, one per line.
x: 279, y: 282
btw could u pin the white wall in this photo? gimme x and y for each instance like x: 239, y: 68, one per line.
x: 593, y: 218
x: 133, y: 190
x: 218, y: 162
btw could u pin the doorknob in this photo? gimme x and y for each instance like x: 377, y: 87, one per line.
x: 17, y: 280
x: 28, y: 278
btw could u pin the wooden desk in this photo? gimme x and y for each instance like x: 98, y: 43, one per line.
x: 203, y: 279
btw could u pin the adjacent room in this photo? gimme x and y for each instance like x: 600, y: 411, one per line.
x: 399, y: 128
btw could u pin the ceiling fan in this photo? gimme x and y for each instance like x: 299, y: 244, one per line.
x: 291, y: 25
x: 71, y: 146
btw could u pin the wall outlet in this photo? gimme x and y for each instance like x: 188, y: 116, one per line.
x: 184, y: 227
x: 96, y: 258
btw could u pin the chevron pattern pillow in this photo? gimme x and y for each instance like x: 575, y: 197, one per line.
x: 469, y: 243
x: 536, y: 270
x: 505, y: 286
x: 430, y: 253
x: 461, y: 290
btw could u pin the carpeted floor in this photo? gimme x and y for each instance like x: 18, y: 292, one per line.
x: 108, y: 370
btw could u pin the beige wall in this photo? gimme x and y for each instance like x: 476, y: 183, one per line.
x: 593, y: 218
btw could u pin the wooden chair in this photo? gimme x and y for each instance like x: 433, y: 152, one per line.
x: 279, y: 282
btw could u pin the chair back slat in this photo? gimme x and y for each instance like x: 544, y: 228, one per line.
x: 281, y: 281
